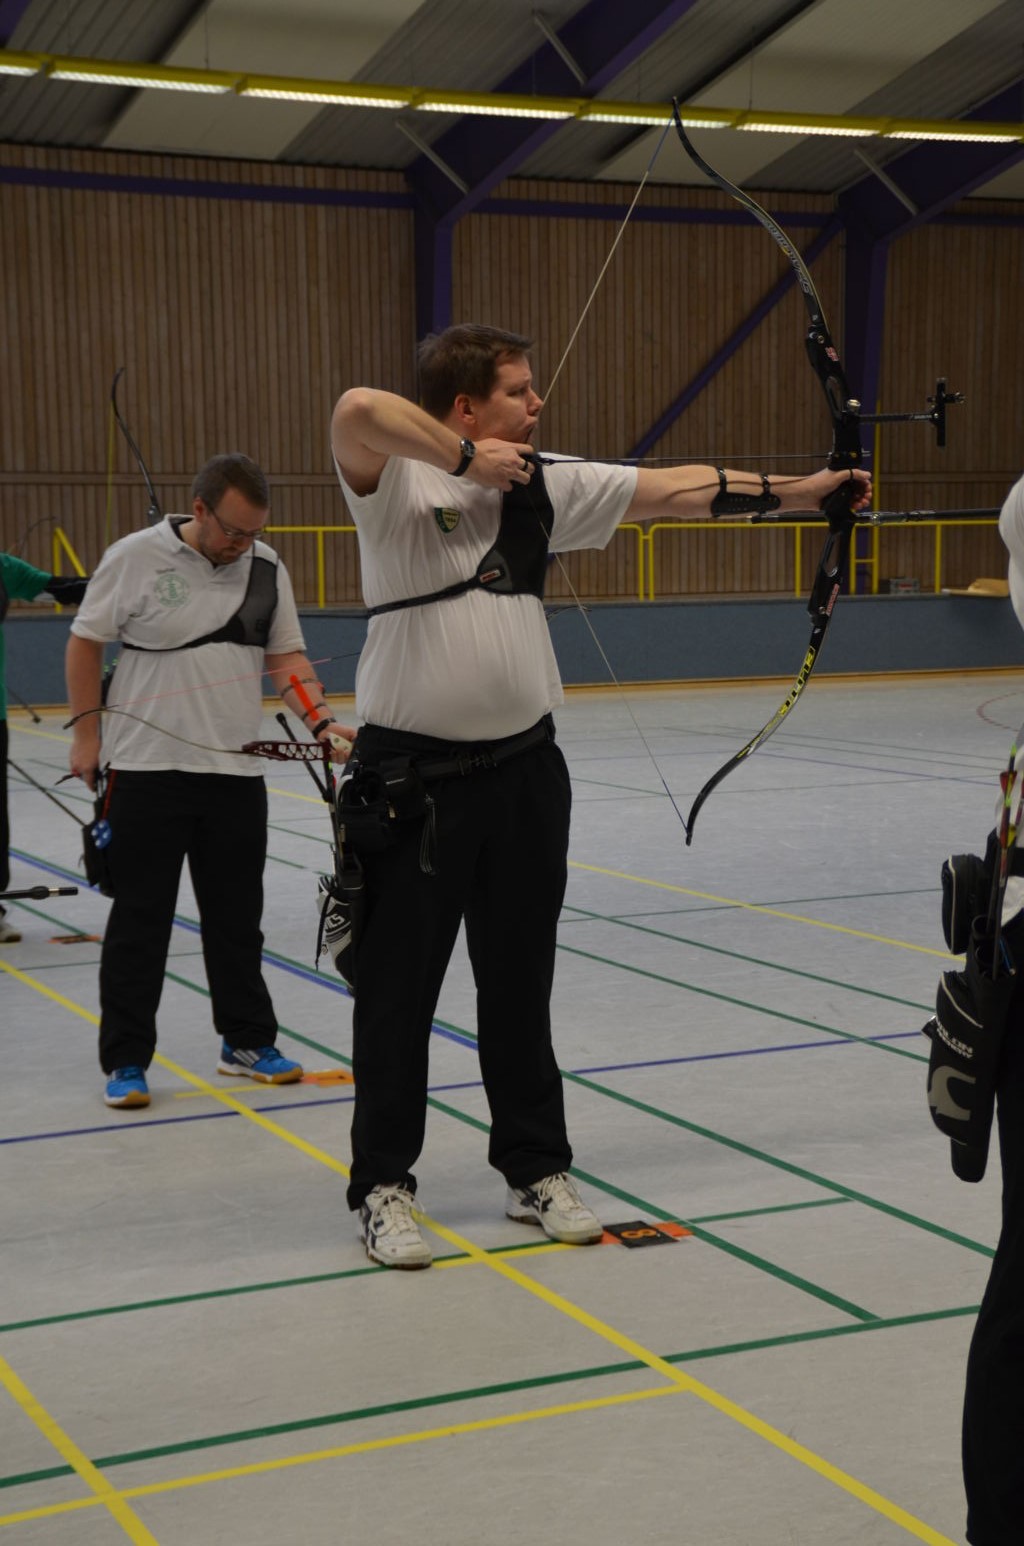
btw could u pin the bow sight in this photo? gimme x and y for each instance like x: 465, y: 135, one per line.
x: 935, y: 416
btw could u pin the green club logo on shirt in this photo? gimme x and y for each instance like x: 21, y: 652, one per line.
x: 446, y: 519
x: 172, y: 590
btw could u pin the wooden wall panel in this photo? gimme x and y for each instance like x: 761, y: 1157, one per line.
x: 239, y: 321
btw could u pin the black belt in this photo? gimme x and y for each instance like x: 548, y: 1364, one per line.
x: 452, y: 759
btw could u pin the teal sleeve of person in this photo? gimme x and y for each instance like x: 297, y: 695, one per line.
x: 21, y: 581
x: 18, y: 582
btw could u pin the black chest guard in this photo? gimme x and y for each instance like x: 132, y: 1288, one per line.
x: 517, y: 564
x: 249, y: 625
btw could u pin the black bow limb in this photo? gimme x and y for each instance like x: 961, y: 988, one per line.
x: 847, y: 452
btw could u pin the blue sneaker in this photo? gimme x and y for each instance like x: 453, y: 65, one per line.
x: 264, y: 1064
x: 127, y: 1087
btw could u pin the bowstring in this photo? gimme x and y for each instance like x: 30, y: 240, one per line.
x: 611, y: 253
x: 581, y: 609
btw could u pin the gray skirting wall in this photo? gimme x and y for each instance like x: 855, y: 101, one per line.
x: 660, y: 641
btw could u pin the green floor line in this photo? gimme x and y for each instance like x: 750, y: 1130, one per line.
x: 770, y: 1268
x: 740, y: 1003
x: 767, y: 1159
x: 289, y: 864
x: 479, y: 1393
x: 772, y: 966
x: 312, y: 1279
x: 756, y: 1213
x: 615, y: 1095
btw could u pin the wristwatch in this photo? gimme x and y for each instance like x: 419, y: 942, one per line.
x: 467, y: 450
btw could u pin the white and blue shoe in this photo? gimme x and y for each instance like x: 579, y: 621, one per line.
x: 556, y: 1205
x: 127, y: 1087
x: 264, y: 1064
x: 390, y: 1232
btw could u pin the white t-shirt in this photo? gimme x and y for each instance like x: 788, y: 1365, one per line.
x: 478, y: 666
x: 1011, y: 529
x: 151, y: 589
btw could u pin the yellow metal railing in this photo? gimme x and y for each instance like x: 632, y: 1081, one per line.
x: 870, y: 562
x: 645, y: 539
x: 319, y: 532
x: 656, y: 526
x: 59, y: 546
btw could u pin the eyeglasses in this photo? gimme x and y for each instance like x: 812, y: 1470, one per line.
x: 233, y: 532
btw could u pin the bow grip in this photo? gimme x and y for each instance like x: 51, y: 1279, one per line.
x: 828, y: 582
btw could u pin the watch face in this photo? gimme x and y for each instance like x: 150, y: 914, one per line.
x: 467, y: 448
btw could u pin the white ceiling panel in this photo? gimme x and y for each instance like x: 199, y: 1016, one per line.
x: 829, y: 60
x: 323, y: 39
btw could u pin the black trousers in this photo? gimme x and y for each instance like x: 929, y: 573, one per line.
x: 993, y: 1426
x: 217, y: 822
x: 500, y: 857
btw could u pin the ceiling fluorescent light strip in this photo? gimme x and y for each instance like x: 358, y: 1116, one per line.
x: 655, y: 114
x: 496, y: 104
x: 963, y: 129
x: 106, y: 72
x: 159, y: 77
x: 20, y: 64
x: 284, y: 88
x: 806, y: 123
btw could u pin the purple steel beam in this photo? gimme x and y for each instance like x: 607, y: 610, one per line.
x: 604, y: 37
x: 749, y: 324
x: 201, y: 188
x: 11, y: 12
x: 433, y: 244
x: 935, y: 175
x: 864, y: 314
x: 863, y: 320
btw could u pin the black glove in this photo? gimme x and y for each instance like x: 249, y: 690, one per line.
x: 68, y: 592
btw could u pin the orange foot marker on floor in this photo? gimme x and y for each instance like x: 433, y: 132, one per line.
x: 639, y: 1232
x: 327, y: 1076
x: 76, y: 939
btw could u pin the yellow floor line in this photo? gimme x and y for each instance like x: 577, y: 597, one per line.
x: 757, y: 907
x: 364, y: 1446
x: 104, y: 1492
x: 677, y: 1377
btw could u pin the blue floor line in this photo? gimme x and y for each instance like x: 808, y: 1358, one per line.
x: 309, y: 974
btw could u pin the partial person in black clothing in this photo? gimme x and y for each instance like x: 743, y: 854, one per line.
x: 993, y: 1419
x: 20, y: 581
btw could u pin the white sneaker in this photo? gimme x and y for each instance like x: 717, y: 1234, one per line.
x: 389, y: 1231
x: 556, y: 1205
x: 9, y: 935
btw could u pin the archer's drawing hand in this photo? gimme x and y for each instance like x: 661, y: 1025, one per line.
x: 499, y: 464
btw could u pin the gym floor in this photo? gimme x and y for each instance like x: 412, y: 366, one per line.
x: 193, y: 1345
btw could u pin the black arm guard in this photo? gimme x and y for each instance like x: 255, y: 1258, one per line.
x: 725, y: 503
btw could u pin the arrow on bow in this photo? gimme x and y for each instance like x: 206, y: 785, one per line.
x: 847, y: 452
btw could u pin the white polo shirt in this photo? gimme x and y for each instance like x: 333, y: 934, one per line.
x: 152, y: 590
x: 478, y: 666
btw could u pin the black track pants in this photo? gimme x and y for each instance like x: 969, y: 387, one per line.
x: 218, y: 822
x: 993, y: 1429
x: 501, y: 846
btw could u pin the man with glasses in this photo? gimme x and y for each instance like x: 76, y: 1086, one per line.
x: 202, y: 610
